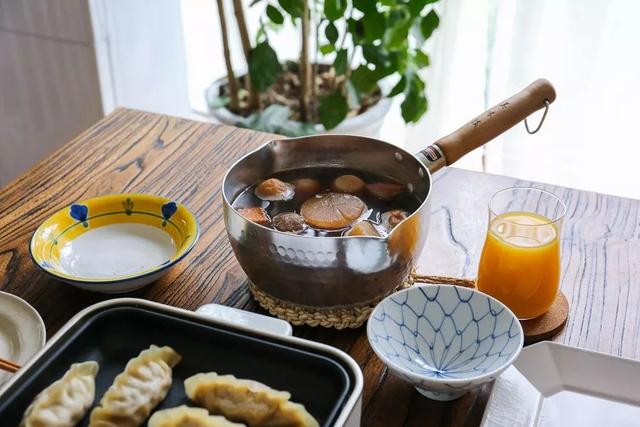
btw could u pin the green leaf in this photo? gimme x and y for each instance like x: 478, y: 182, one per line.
x: 341, y: 62
x: 421, y: 59
x: 416, y: 6
x: 366, y: 6
x: 399, y: 60
x: 353, y: 96
x: 254, y: 2
x: 356, y: 28
x: 295, y: 8
x: 376, y: 55
x: 364, y: 79
x: 429, y: 24
x: 398, y: 88
x: 397, y: 31
x: 264, y: 67
x: 374, y: 24
x: 275, y: 119
x: 331, y: 33
x: 261, y: 34
x: 274, y: 15
x: 415, y: 102
x: 332, y: 110
x: 334, y: 9
x: 327, y: 49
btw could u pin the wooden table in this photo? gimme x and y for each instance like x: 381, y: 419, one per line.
x: 131, y: 151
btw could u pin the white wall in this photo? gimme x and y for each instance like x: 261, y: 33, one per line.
x: 140, y: 49
x: 49, y: 88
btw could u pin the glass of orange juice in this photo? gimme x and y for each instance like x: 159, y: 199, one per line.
x: 520, y: 261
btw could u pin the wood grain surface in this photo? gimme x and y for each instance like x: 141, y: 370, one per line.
x: 131, y: 151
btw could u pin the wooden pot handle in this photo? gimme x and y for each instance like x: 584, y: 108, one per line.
x: 488, y: 125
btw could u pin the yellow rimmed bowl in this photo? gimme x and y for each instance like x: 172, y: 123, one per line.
x: 115, y: 243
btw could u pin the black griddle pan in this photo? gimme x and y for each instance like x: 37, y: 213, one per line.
x: 118, y: 330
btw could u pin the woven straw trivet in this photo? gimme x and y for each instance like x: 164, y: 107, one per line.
x: 540, y: 328
x: 339, y: 318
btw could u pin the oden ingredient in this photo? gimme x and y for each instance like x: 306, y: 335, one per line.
x: 332, y: 211
x: 349, y: 184
x: 274, y: 189
x: 363, y: 228
x: 384, y: 191
x: 289, y: 221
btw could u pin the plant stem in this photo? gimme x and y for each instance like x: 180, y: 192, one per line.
x: 254, y: 96
x: 314, y: 69
x: 305, y: 75
x: 234, y: 102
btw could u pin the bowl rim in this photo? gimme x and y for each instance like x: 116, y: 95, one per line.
x: 124, y: 278
x: 453, y: 381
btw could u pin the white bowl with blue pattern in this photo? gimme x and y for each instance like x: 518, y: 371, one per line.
x: 443, y: 339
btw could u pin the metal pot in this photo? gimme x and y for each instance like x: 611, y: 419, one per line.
x: 346, y: 271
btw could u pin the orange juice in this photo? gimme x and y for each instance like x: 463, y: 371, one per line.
x: 520, y: 262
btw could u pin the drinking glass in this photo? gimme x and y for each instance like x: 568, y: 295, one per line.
x: 520, y: 261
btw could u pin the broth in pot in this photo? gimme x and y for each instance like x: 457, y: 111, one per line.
x: 327, y: 202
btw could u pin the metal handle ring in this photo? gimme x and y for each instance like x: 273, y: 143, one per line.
x: 546, y: 110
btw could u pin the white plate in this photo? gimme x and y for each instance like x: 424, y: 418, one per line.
x: 22, y: 331
x: 246, y: 319
x: 557, y: 385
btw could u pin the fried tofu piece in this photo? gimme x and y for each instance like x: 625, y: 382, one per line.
x: 385, y: 191
x: 257, y: 215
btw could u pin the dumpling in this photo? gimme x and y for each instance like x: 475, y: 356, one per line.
x: 291, y: 414
x: 134, y: 393
x: 184, y: 416
x: 246, y: 401
x: 239, y: 400
x: 66, y: 401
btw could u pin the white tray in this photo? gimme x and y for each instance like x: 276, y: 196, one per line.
x: 557, y: 385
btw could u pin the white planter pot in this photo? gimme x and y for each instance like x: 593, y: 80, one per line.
x: 365, y: 124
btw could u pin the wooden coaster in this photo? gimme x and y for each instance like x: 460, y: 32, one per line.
x: 549, y: 324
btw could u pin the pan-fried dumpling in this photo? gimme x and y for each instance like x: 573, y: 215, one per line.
x: 134, y: 393
x: 291, y: 414
x: 64, y: 402
x: 246, y: 401
x: 184, y: 416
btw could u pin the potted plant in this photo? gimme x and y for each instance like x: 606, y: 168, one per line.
x: 349, y: 50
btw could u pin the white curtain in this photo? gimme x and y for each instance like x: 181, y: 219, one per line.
x: 589, y: 50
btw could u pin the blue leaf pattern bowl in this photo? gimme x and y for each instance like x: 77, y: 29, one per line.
x: 443, y: 339
x: 114, y: 243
